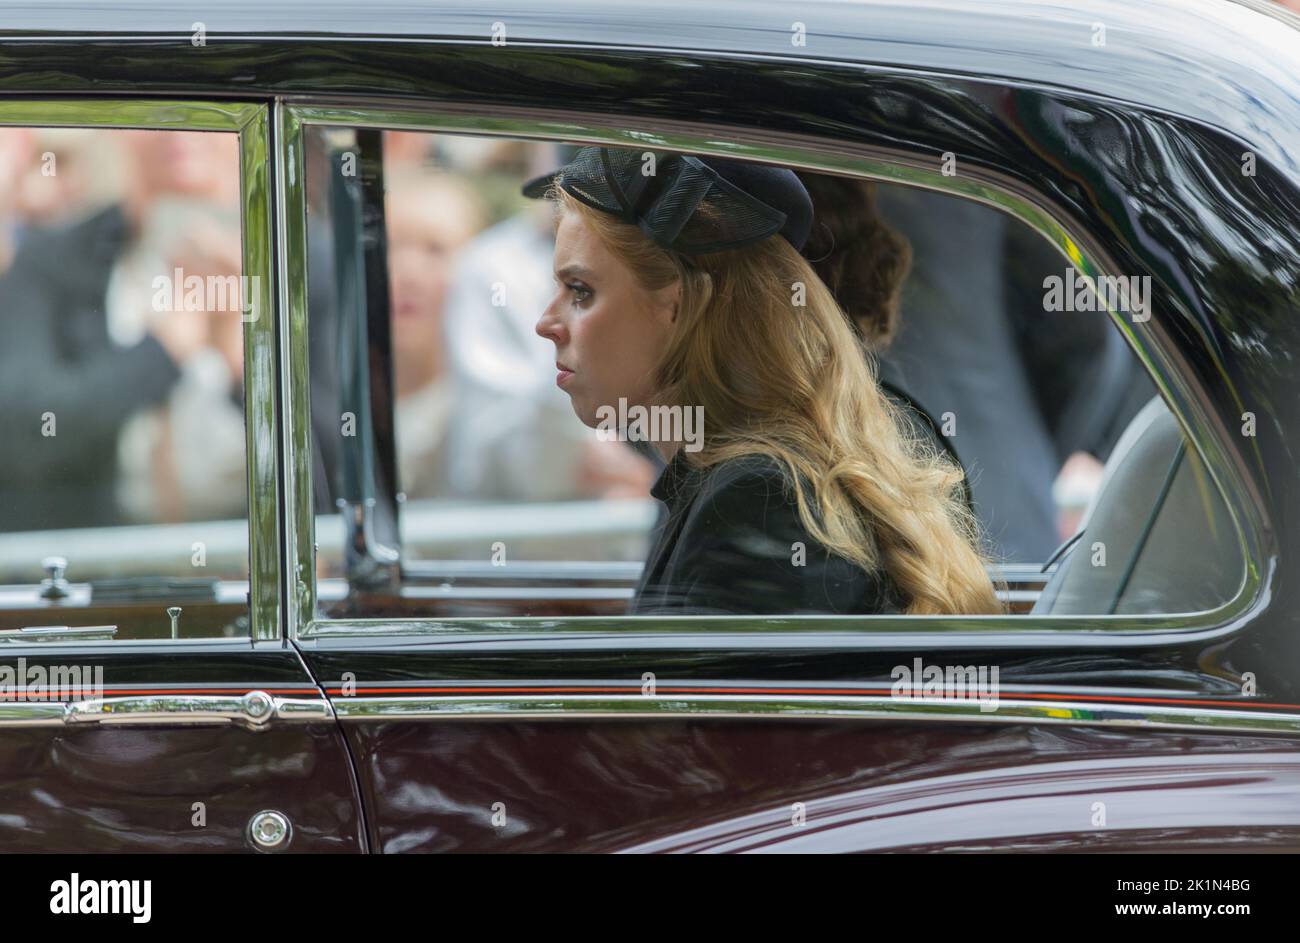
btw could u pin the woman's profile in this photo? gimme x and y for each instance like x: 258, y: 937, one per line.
x: 681, y: 287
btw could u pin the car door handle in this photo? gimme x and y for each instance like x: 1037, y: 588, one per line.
x: 255, y: 710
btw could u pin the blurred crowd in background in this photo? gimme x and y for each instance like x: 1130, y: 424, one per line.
x: 116, y: 406
x: 478, y: 413
x: 144, y: 402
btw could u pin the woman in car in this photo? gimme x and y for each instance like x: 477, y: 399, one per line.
x: 682, y: 288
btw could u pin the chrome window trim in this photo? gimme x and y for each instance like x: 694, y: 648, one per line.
x: 864, y: 708
x: 291, y: 236
x: 251, y: 122
x: 802, y: 151
x: 237, y: 643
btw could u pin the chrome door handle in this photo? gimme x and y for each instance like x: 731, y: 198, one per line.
x: 254, y: 710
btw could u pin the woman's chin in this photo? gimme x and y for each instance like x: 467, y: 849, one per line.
x: 585, y: 412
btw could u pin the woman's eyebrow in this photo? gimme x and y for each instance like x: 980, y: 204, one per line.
x: 570, y: 271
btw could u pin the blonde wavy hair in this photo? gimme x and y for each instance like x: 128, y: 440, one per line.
x: 793, y: 382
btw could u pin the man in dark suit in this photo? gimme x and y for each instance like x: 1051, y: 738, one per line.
x: 1022, y: 389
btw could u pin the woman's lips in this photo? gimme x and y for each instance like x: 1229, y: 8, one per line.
x: 563, y: 375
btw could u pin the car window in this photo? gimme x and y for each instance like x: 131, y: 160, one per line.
x: 123, y: 482
x: 454, y: 476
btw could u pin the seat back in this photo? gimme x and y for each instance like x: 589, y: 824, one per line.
x: 1157, y: 537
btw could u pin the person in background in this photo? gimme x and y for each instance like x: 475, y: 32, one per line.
x: 862, y: 259
x: 183, y: 459
x: 82, y: 349
x: 1087, y: 382
x: 74, y: 173
x: 430, y: 217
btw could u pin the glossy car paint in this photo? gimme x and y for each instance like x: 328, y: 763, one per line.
x: 173, y: 785
x: 1137, y: 144
x: 754, y: 785
x: 174, y: 788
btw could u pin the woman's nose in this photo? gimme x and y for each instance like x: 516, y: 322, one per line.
x: 549, y: 326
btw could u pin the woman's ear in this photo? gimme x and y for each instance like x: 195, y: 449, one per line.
x: 670, y: 299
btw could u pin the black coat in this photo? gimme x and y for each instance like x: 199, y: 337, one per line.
x: 56, y: 357
x: 730, y: 544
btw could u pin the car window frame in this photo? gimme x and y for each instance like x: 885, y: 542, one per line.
x: 1075, y: 243
x: 251, y: 122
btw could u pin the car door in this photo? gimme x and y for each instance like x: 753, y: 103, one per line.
x: 495, y: 698
x: 148, y: 698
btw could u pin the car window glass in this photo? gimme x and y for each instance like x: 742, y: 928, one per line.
x: 990, y: 350
x: 123, y: 489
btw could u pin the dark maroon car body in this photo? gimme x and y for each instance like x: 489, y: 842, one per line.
x: 536, y: 732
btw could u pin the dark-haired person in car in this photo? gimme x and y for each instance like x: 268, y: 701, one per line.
x: 1036, y: 398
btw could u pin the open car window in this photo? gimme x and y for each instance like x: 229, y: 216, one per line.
x: 451, y: 476
x: 123, y: 477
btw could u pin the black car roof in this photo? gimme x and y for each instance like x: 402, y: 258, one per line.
x: 1230, y: 64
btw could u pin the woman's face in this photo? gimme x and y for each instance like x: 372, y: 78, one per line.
x: 609, y: 332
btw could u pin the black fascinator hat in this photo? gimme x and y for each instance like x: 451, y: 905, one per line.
x: 662, y: 192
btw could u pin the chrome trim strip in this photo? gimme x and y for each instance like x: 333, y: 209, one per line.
x: 57, y: 633
x: 826, y: 155
x: 295, y: 379
x: 748, y: 707
x: 461, y: 572
x: 255, y: 710
x: 32, y: 714
x: 756, y: 633
x: 122, y: 646
x: 604, y: 571
x: 261, y: 402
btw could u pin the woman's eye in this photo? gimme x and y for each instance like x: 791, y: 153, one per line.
x: 580, y: 292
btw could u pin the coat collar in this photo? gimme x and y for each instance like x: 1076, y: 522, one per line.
x: 676, y: 487
x: 679, y: 479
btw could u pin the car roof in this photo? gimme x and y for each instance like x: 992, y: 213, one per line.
x: 1229, y: 64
